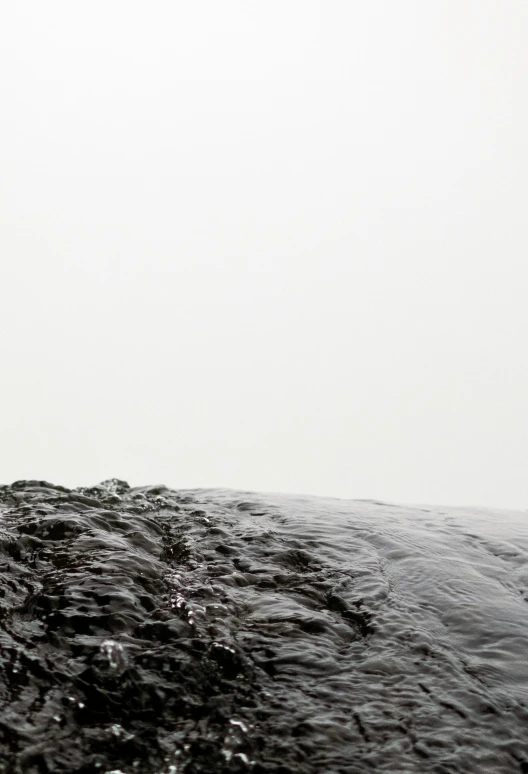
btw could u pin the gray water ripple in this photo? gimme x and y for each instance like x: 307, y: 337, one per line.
x: 151, y: 630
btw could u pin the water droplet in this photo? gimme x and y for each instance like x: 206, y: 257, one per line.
x: 115, y: 653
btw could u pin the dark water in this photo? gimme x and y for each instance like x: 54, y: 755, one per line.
x: 150, y: 630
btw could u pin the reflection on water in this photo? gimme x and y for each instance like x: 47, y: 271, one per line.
x: 150, y: 630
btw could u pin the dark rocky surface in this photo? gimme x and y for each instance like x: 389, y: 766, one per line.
x: 149, y: 630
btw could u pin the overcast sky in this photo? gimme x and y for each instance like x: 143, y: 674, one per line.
x: 273, y: 245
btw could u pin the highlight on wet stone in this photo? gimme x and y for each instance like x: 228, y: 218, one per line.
x: 145, y: 630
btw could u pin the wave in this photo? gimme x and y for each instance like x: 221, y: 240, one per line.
x: 151, y: 630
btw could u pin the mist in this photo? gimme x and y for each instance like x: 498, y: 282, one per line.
x: 269, y: 246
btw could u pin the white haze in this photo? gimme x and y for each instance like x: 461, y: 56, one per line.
x: 267, y: 245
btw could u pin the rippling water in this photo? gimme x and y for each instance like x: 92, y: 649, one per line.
x: 150, y: 630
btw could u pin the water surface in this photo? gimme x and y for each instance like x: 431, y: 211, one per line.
x: 150, y: 630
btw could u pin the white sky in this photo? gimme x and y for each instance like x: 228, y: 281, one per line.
x: 273, y: 245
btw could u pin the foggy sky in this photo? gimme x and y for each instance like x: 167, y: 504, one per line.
x: 267, y: 245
